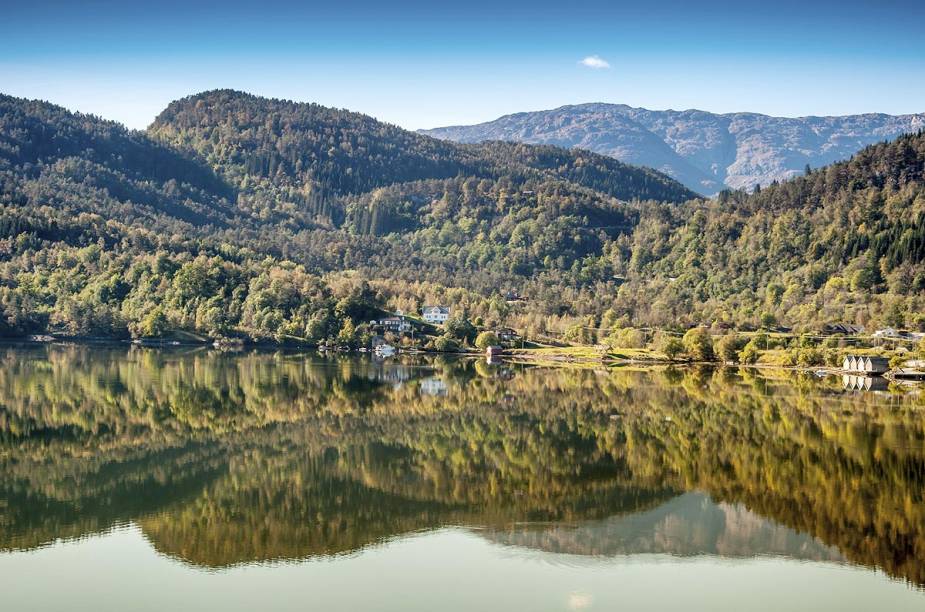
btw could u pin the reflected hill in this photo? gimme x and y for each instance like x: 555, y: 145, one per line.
x: 225, y: 459
x: 290, y: 507
x: 688, y: 525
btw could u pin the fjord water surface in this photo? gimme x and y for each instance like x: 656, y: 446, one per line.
x: 150, y: 479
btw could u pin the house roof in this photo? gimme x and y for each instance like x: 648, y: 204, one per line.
x: 440, y: 309
x: 844, y: 328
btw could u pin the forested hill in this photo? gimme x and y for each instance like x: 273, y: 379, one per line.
x: 229, y: 229
x: 247, y: 136
x: 842, y: 243
x: 103, y: 162
x: 306, y: 152
x: 237, y: 215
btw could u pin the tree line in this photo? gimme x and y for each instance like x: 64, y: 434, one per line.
x: 583, y: 239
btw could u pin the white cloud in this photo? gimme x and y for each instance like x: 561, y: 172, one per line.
x: 595, y: 61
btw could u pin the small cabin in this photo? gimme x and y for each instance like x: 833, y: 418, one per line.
x: 866, y: 364
x: 876, y: 365
x: 494, y: 351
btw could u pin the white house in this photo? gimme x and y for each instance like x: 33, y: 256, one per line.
x: 436, y: 315
x: 393, y: 324
x: 898, y: 334
x: 886, y: 332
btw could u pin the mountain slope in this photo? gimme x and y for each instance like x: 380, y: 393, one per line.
x: 843, y: 243
x: 109, y: 232
x: 705, y: 151
x: 225, y: 219
x: 81, y: 163
x: 310, y: 153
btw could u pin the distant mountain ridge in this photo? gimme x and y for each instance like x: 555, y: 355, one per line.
x: 704, y: 151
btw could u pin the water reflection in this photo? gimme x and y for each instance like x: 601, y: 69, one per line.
x: 852, y: 382
x: 227, y: 459
x: 688, y: 525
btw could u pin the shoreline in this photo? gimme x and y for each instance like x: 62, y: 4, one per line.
x: 553, y: 357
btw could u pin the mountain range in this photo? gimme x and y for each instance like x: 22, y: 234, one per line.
x: 237, y: 215
x: 224, y: 187
x: 705, y: 151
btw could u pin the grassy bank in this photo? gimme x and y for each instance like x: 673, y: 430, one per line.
x: 583, y: 355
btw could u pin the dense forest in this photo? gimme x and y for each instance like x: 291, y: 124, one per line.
x: 235, y: 215
x: 842, y: 243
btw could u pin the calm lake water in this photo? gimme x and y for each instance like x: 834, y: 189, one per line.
x: 142, y: 479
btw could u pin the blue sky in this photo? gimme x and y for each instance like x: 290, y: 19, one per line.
x: 425, y: 64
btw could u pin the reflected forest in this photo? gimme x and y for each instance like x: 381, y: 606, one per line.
x: 223, y: 459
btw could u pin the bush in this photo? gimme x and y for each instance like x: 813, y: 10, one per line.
x: 627, y: 337
x: 750, y: 353
x: 918, y: 322
x: 347, y: 334
x: 445, y: 344
x: 486, y: 339
x: 698, y: 344
x: 806, y: 341
x: 832, y: 342
x: 809, y: 357
x: 459, y: 328
x: 580, y: 332
x: 729, y: 346
x: 804, y: 357
x: 154, y: 324
x: 668, y: 344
